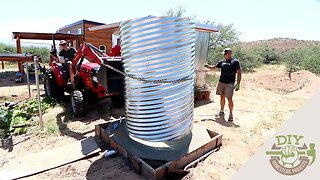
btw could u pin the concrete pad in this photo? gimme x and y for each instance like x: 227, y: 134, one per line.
x: 162, y: 151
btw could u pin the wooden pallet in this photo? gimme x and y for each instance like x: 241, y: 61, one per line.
x: 142, y: 167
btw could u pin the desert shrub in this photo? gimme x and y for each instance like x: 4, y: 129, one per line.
x: 249, y: 59
x: 293, y: 59
x: 269, y: 55
x: 307, y: 58
x: 311, y: 59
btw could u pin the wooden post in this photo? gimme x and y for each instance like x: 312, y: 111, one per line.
x: 2, y: 63
x: 19, y: 51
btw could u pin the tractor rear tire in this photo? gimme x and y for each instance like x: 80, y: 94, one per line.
x: 77, y: 103
x: 51, y: 87
x: 117, y: 101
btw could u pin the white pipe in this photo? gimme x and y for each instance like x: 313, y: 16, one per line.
x: 38, y: 91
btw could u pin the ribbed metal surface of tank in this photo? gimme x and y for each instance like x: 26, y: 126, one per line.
x: 160, y: 53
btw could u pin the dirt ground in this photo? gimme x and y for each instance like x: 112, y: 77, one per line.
x: 266, y: 99
x: 15, y: 92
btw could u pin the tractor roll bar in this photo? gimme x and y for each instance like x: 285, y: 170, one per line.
x: 54, y: 44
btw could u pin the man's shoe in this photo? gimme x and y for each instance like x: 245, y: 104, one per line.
x: 220, y: 114
x: 230, y: 119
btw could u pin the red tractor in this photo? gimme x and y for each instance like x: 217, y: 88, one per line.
x: 89, y: 79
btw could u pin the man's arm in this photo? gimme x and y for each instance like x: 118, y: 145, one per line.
x: 238, y: 76
x: 212, y: 67
x: 237, y: 86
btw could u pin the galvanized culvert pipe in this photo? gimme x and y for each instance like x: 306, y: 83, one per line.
x: 160, y: 53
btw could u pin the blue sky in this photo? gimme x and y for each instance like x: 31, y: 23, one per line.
x: 254, y: 19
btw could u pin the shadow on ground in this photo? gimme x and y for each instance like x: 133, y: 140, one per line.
x: 222, y: 121
x: 114, y: 167
x: 93, y: 112
x: 199, y: 103
x: 7, y: 78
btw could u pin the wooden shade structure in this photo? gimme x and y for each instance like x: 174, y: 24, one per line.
x: 16, y: 57
x: 39, y: 36
x: 45, y: 36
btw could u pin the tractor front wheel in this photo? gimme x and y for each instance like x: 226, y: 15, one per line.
x: 77, y: 102
x: 51, y: 87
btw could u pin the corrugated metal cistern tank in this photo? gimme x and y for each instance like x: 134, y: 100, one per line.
x: 160, y: 53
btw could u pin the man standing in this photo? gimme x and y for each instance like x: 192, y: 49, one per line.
x: 229, y: 68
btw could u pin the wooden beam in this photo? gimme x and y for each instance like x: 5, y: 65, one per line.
x: 19, y: 51
x: 15, y: 57
x: 45, y: 36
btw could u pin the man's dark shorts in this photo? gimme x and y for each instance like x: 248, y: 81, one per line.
x: 225, y: 89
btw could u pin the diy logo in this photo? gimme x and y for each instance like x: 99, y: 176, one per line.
x: 289, y: 156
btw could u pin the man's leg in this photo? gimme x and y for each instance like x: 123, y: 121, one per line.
x: 221, y: 92
x: 65, y: 71
x: 229, y: 95
x: 230, y: 104
x: 222, y: 102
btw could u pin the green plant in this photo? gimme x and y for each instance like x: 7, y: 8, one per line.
x: 5, y: 121
x: 15, y: 120
x: 51, y: 127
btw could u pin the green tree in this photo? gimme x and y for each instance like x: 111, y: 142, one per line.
x: 7, y: 48
x: 311, y: 60
x: 180, y: 11
x: 307, y: 58
x: 293, y: 59
x: 249, y: 59
x: 269, y: 54
x: 226, y: 37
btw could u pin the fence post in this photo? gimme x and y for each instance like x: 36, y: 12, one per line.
x: 28, y: 80
x: 38, y: 91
